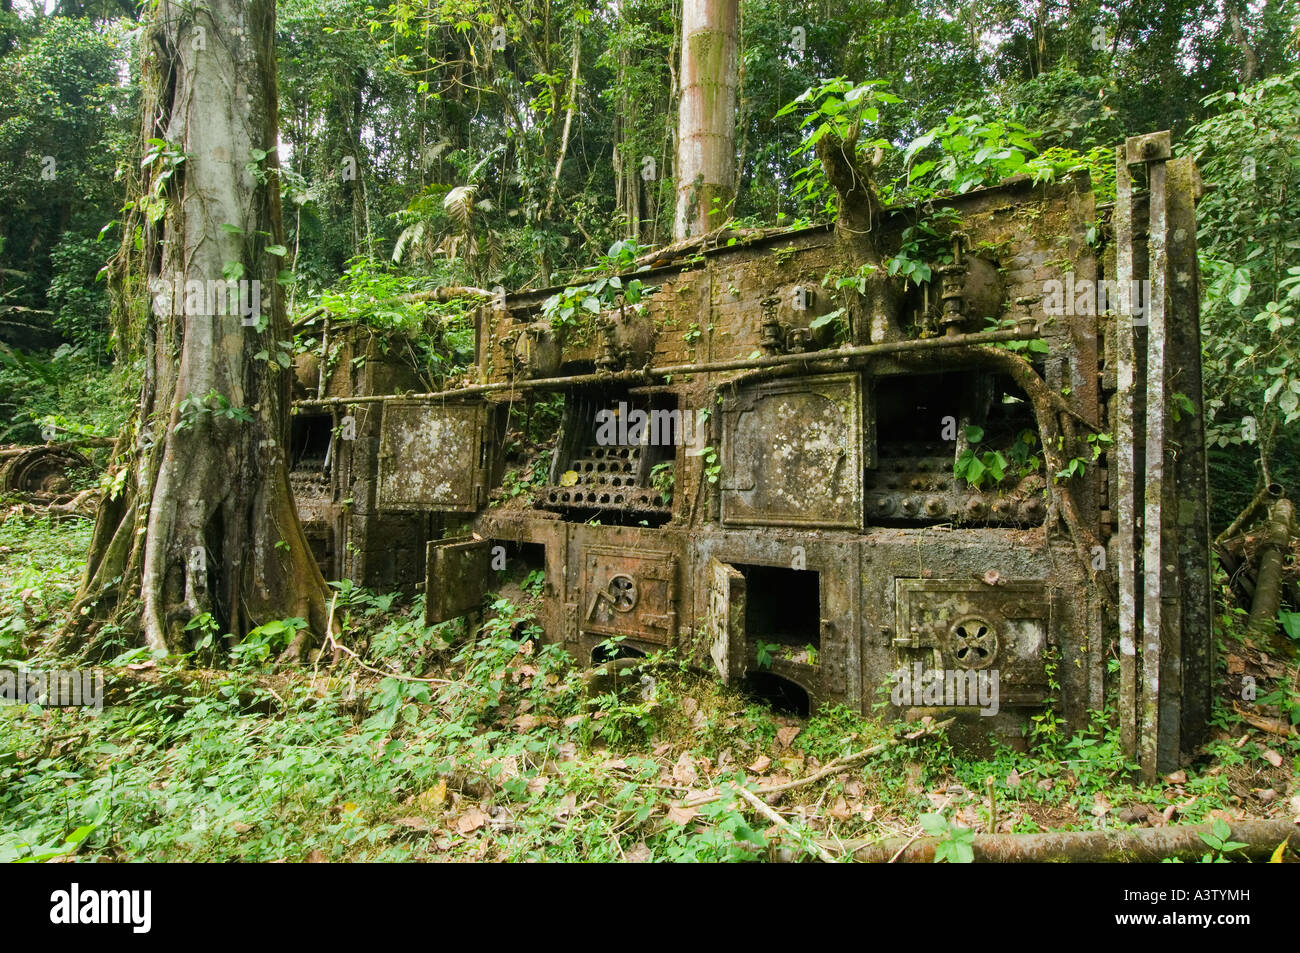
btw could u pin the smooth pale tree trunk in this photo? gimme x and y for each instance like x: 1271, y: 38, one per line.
x: 204, y: 520
x: 706, y: 124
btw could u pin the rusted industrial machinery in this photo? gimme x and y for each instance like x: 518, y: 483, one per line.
x: 42, y: 471
x: 819, y: 497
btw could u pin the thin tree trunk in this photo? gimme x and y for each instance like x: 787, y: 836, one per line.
x: 1250, y: 60
x: 706, y: 131
x: 206, y: 521
x: 571, y: 106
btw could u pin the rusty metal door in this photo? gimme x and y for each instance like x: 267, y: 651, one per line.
x: 958, y: 625
x: 430, y: 457
x: 634, y: 595
x: 792, y: 454
x: 724, y: 620
x: 456, y: 577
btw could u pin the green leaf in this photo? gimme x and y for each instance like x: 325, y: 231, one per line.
x: 825, y: 319
x: 1240, y: 290
x: 935, y: 825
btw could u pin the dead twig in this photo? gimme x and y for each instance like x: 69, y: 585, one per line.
x: 822, y: 853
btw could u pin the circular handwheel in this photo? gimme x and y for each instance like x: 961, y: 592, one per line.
x: 622, y: 592
x: 974, y: 643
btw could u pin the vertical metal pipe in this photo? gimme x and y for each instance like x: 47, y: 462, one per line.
x: 1152, y: 520
x: 1125, y: 522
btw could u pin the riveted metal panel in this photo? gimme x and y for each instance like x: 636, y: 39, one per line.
x: 634, y: 595
x: 456, y: 577
x: 963, y: 625
x: 792, y: 454
x: 429, y: 456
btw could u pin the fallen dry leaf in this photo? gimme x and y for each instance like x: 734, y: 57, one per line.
x: 415, y: 823
x: 761, y: 764
x: 568, y: 804
x: 684, y: 770
x: 471, y: 821
x: 433, y: 800
x: 1272, y: 757
x: 839, y: 810
x: 680, y: 814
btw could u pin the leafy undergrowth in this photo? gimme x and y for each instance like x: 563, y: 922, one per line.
x: 495, y: 748
x: 40, y: 560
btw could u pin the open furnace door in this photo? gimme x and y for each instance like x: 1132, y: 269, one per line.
x: 456, y: 577
x: 431, y: 457
x: 724, y: 622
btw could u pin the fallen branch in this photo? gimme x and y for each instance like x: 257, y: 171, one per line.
x: 1274, y: 726
x: 120, y: 685
x: 822, y: 854
x: 836, y: 766
x: 1247, y: 514
x: 1148, y: 845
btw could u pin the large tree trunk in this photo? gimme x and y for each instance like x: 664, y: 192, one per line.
x: 205, y: 520
x: 706, y: 130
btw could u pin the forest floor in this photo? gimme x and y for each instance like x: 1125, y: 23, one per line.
x: 447, y: 748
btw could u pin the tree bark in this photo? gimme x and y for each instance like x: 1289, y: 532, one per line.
x: 706, y: 136
x: 874, y: 314
x: 1249, y: 58
x: 205, y: 521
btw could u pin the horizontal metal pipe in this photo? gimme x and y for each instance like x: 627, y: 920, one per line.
x: 775, y: 360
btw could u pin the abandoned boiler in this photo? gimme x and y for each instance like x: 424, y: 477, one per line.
x: 801, y: 473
